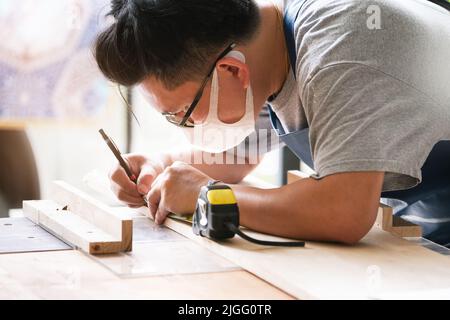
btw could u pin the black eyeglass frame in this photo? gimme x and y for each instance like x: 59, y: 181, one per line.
x: 198, y: 96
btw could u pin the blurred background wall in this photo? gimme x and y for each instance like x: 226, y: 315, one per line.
x: 53, y: 100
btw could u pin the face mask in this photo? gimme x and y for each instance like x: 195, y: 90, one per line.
x: 215, y: 136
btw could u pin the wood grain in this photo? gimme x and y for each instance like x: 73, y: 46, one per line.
x: 94, y: 211
x: 71, y: 228
x: 82, y: 221
x: 73, y: 275
x: 380, y: 263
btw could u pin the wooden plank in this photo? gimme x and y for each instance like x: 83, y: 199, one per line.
x: 118, y: 225
x: 385, y: 219
x: 87, y: 223
x: 396, y: 225
x: 73, y: 275
x: 380, y: 263
x: 440, y: 294
x: 71, y: 227
x: 30, y: 211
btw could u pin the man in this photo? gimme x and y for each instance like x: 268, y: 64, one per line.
x: 368, y: 78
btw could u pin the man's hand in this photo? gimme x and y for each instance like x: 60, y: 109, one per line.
x: 176, y: 191
x: 146, y: 172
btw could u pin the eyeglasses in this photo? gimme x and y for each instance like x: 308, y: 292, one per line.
x: 185, y: 121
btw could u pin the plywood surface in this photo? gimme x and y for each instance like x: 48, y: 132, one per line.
x: 381, y: 266
x: 73, y: 275
x: 381, y: 263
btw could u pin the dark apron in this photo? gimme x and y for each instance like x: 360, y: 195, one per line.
x: 427, y: 204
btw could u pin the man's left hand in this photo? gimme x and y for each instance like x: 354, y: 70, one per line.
x: 176, y: 191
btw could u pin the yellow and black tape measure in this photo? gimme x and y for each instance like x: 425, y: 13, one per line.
x: 216, y: 209
x: 217, y: 216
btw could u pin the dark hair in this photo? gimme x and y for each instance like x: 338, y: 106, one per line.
x: 172, y: 40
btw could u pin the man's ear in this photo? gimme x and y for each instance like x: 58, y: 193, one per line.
x: 235, y: 68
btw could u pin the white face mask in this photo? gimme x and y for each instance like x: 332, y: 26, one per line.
x: 215, y: 136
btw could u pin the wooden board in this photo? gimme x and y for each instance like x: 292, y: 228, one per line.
x: 71, y: 228
x: 118, y: 225
x: 73, y: 275
x: 381, y: 265
x: 385, y: 219
x: 82, y: 221
x: 396, y: 225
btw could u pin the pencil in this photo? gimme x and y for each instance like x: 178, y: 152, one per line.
x: 123, y: 163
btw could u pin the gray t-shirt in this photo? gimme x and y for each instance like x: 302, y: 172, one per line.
x: 374, y: 92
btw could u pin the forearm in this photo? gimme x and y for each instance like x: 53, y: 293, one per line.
x: 306, y: 210
x: 228, y: 173
x: 216, y: 166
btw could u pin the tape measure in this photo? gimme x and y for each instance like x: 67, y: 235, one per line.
x: 216, y: 216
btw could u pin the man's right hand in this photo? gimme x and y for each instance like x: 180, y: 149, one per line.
x: 146, y: 172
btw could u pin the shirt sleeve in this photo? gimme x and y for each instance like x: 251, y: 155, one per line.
x: 364, y: 120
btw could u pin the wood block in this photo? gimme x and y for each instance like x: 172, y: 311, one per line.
x: 71, y: 227
x: 30, y: 211
x: 95, y: 212
x: 385, y: 219
x: 79, y: 219
x: 295, y: 175
x: 396, y: 225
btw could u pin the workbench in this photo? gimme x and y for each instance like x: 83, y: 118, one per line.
x: 172, y: 263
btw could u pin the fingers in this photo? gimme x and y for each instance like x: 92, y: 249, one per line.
x: 161, y: 215
x: 129, y: 191
x: 175, y: 190
x: 123, y: 187
x: 146, y: 177
x: 156, y: 205
x: 154, y: 198
x: 134, y: 199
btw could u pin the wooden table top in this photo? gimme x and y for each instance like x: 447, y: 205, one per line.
x: 382, y: 265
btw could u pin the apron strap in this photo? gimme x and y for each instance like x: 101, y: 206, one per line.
x: 291, y: 13
x: 297, y: 142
